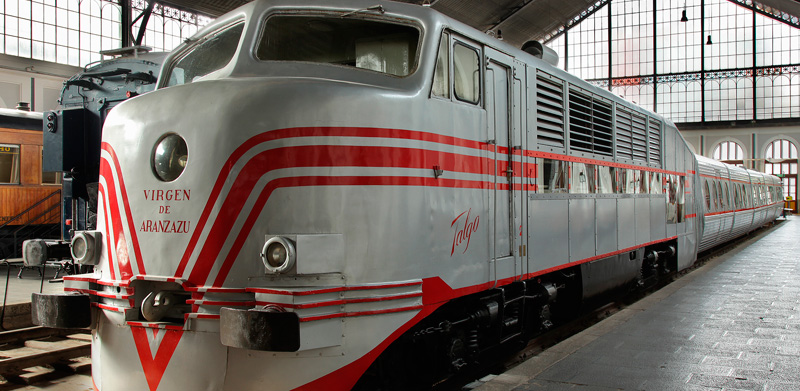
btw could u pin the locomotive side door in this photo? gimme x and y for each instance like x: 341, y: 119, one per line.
x: 502, y: 139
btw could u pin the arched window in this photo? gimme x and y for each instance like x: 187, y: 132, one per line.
x: 729, y: 152
x: 781, y: 156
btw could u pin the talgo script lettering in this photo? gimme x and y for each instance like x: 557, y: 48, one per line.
x: 166, y: 226
x: 463, y: 233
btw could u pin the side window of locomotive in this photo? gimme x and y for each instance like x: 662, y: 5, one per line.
x: 466, y: 73
x: 583, y: 179
x: 441, y: 77
x: 644, y: 182
x: 554, y: 176
x: 655, y: 183
x: 681, y: 199
x: 605, y: 180
x: 209, y: 54
x: 375, y: 45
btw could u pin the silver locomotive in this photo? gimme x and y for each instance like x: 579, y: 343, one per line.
x: 370, y: 194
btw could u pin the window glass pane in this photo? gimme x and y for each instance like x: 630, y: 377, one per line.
x: 441, y: 78
x: 9, y: 163
x: 211, y: 53
x: 655, y: 183
x: 681, y: 199
x: 605, y: 181
x: 466, y: 68
x: 365, y: 44
x: 554, y: 176
x: 583, y: 179
x: 644, y: 182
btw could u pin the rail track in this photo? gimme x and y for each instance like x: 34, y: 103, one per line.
x: 35, y: 354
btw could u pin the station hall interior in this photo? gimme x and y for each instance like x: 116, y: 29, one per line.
x: 725, y: 72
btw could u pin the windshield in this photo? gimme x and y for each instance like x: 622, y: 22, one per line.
x: 366, y: 44
x: 209, y: 54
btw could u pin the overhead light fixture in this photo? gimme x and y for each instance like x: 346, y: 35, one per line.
x: 684, y: 18
x: 708, y: 41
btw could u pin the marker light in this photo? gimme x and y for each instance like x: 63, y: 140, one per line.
x: 278, y: 254
x: 169, y: 157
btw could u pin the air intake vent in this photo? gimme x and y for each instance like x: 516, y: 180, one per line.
x: 624, y: 134
x: 589, y: 123
x: 631, y: 135
x: 639, y: 142
x: 550, y: 110
x: 655, y: 141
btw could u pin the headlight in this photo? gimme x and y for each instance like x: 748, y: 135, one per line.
x: 278, y: 254
x: 169, y: 157
x: 84, y: 247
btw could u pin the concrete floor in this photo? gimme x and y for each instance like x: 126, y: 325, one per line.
x: 20, y: 289
x: 733, y: 324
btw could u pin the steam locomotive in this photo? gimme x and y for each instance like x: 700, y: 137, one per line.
x: 369, y: 194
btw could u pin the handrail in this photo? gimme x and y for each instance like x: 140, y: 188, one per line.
x: 18, y: 216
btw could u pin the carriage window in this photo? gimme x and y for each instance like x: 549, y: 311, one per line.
x: 365, y: 44
x: 554, y: 176
x: 9, y: 163
x: 708, y: 196
x: 441, y: 78
x: 209, y: 54
x: 466, y: 73
x: 714, y: 195
x: 727, y: 195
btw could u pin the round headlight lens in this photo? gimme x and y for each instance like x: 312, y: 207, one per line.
x: 79, y: 247
x: 278, y: 254
x: 169, y: 157
x: 83, y: 248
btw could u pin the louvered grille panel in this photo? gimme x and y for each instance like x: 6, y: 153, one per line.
x: 589, y: 124
x: 655, y: 141
x: 550, y: 110
x: 624, y: 134
x: 639, y: 137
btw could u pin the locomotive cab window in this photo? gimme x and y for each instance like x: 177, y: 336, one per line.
x: 374, y: 45
x: 441, y: 77
x: 210, y: 53
x: 466, y: 73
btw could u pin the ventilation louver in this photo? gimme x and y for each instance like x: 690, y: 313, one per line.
x: 549, y: 110
x: 589, y: 123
